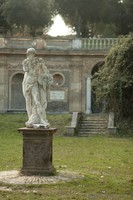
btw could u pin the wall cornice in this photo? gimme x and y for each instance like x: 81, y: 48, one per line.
x: 82, y: 53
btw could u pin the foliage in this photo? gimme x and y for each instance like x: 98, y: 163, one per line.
x: 105, y: 162
x: 33, y: 13
x: 125, y: 128
x: 4, y: 26
x: 85, y: 15
x: 80, y: 14
x: 129, y: 12
x: 114, y: 81
x: 115, y: 13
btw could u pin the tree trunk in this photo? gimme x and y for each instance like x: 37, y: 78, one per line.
x: 85, y: 29
x: 32, y: 31
x: 78, y: 24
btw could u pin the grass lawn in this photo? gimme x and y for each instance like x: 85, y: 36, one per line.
x: 106, y: 163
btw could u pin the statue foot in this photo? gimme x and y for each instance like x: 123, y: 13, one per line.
x: 29, y: 125
x: 41, y: 125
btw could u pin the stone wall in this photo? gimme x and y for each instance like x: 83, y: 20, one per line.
x: 70, y: 69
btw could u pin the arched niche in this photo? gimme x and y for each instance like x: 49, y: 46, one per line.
x: 96, y: 108
x: 17, y: 101
x: 96, y: 67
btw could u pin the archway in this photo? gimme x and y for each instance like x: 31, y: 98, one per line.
x: 17, y: 98
x: 96, y: 108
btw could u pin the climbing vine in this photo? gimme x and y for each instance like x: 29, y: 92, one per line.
x: 114, y: 80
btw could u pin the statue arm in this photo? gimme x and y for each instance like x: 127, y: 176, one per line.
x: 25, y: 66
x: 49, y: 76
x: 45, y: 78
x: 44, y: 68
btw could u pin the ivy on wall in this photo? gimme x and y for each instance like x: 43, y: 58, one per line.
x: 114, y: 81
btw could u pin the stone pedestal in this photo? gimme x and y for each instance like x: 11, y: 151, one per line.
x: 37, y: 151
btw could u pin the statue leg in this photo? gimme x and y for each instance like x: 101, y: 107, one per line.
x: 37, y: 103
x: 28, y: 105
x: 43, y: 102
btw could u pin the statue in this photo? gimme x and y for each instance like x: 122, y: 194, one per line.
x: 35, y: 83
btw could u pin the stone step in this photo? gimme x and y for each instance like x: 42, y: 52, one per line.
x: 91, y: 119
x: 93, y: 124
x: 101, y: 116
x: 92, y: 127
x: 92, y: 130
x: 86, y: 134
x: 95, y: 118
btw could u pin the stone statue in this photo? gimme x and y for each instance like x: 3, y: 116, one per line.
x: 35, y: 83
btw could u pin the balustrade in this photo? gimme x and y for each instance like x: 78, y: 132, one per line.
x: 95, y: 43
x: 58, y: 44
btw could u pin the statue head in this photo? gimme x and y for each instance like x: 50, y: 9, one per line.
x: 31, y: 51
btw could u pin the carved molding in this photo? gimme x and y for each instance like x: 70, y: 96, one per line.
x: 14, y: 67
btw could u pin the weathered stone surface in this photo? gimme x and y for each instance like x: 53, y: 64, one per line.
x: 37, y: 151
x: 74, y: 66
x: 36, y: 81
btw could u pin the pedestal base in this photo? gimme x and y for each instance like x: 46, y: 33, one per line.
x: 37, y: 151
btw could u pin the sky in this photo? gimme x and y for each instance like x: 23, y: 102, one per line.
x: 59, y: 27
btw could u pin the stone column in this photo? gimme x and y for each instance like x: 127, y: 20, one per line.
x: 111, y: 120
x: 37, y: 151
x: 88, y: 95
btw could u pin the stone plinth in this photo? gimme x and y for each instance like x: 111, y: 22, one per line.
x: 37, y: 151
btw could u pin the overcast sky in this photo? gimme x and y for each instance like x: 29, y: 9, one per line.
x: 59, y: 27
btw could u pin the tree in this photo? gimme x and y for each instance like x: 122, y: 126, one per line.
x: 86, y: 15
x: 117, y: 13
x: 33, y: 13
x: 129, y: 12
x: 4, y: 26
x: 81, y: 15
x: 44, y: 13
x: 114, y: 81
